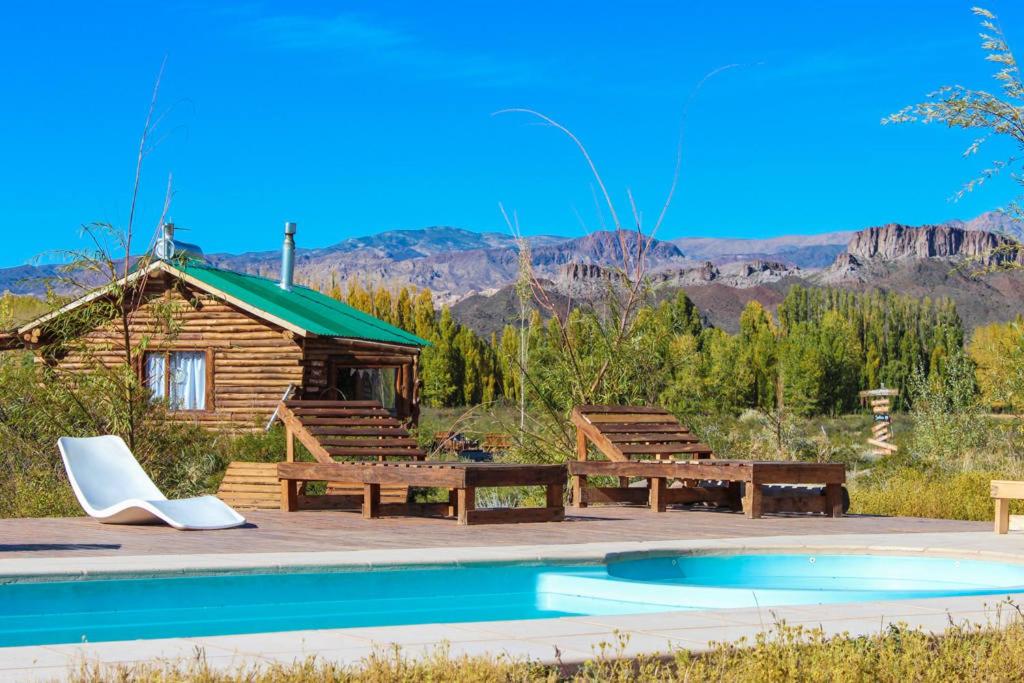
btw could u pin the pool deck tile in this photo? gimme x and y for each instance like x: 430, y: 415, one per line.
x: 304, y: 642
x: 270, y: 531
x: 40, y: 674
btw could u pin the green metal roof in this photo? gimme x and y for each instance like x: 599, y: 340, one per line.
x: 302, y: 307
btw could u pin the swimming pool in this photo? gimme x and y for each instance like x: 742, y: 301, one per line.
x: 43, y: 612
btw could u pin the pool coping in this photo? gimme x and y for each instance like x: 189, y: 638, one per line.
x: 566, y: 641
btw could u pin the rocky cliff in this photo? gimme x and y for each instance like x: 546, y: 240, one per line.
x: 895, y: 242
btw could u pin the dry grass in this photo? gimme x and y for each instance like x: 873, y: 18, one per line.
x: 973, y: 652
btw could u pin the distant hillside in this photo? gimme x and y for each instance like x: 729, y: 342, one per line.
x: 474, y: 271
x: 923, y: 261
x: 453, y: 263
x: 802, y: 251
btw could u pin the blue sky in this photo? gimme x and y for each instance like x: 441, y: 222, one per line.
x: 353, y: 118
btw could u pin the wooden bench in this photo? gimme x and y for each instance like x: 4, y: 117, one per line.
x: 461, y: 479
x: 752, y: 477
x: 1002, y: 493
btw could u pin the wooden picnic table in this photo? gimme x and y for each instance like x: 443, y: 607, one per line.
x: 751, y: 476
x: 461, y: 479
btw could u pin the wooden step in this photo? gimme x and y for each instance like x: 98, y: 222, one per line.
x: 251, y: 485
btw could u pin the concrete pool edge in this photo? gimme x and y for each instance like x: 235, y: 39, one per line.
x: 574, y: 637
x: 937, y: 545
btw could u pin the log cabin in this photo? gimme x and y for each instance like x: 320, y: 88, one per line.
x: 239, y: 344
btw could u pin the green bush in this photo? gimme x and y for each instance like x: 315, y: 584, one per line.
x: 910, y: 492
x: 35, y: 410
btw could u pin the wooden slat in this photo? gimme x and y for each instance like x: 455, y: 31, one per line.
x: 341, y: 412
x: 402, y: 442
x: 418, y: 509
x: 795, y: 503
x: 391, y: 493
x: 372, y: 452
x: 667, y: 448
x: 382, y: 473
x: 638, y: 495
x: 514, y: 515
x: 239, y: 487
x: 625, y: 410
x: 1001, y: 488
x: 357, y: 431
x: 450, y: 475
x: 718, y: 470
x: 250, y: 485
x: 515, y: 475
x: 883, y: 445
x: 293, y: 403
x: 613, y: 428
x: 635, y: 495
x: 353, y: 421
x: 647, y: 437
x: 230, y: 479
x: 640, y: 418
x: 799, y: 473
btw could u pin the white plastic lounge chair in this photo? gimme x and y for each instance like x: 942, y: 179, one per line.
x: 112, y: 487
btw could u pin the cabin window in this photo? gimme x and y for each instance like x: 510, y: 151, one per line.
x: 368, y: 384
x: 179, y: 377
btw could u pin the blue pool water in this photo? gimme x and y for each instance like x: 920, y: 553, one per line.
x: 123, y: 609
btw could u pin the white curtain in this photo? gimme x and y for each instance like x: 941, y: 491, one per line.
x: 188, y: 380
x: 156, y: 370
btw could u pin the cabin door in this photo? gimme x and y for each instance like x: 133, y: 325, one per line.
x: 361, y: 383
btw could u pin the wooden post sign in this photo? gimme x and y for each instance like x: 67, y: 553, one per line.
x: 881, y: 431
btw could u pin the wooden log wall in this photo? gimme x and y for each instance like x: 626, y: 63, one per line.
x: 250, y: 363
x: 323, y: 353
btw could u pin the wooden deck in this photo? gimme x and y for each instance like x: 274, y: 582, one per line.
x: 273, y: 531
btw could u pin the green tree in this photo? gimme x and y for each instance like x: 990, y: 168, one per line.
x: 442, y: 371
x: 758, y: 351
x: 841, y: 363
x: 991, y: 115
x: 803, y: 370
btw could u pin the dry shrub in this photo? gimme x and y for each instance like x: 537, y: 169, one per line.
x: 979, y: 652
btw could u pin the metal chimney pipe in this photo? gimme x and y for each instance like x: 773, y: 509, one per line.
x: 288, y: 257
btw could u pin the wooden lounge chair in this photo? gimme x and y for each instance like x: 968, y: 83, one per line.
x: 348, y: 430
x: 648, y: 442
x: 623, y: 433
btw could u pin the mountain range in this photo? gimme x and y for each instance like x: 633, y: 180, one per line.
x: 473, y: 272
